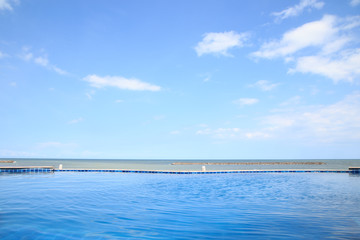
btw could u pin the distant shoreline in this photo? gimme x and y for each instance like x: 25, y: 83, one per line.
x: 248, y: 163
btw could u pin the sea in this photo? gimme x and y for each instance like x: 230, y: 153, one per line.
x: 187, y: 164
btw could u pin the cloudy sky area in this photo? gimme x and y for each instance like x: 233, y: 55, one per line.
x: 180, y: 79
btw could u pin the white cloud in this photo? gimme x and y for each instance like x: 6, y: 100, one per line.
x: 334, y: 123
x: 2, y: 55
x: 119, y: 101
x: 329, y: 39
x: 220, y: 43
x: 26, y: 56
x: 58, y: 70
x: 175, y: 132
x: 354, y: 3
x: 120, y: 82
x: 77, y: 120
x: 43, y: 61
x: 7, y: 4
x: 206, y: 79
x: 222, y: 133
x: 292, y: 101
x: 313, y: 34
x: 90, y: 94
x: 257, y: 134
x: 298, y: 9
x: 337, y: 122
x: 56, y: 145
x: 346, y: 67
x: 314, y: 90
x: 49, y: 144
x: 205, y: 131
x: 265, y: 85
x: 12, y: 153
x: 246, y: 101
x: 227, y: 132
x: 158, y: 117
x: 349, y: 23
x: 233, y: 133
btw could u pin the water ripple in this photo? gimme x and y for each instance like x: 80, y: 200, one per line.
x: 143, y: 206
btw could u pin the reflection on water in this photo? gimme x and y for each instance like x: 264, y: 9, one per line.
x: 147, y: 206
x: 356, y: 174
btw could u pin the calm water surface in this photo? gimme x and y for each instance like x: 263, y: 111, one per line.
x: 146, y: 206
x: 338, y: 164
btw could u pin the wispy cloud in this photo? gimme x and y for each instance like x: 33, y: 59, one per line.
x: 120, y: 82
x: 232, y: 133
x: 175, y: 132
x: 206, y: 77
x: 43, y: 61
x: 298, y: 9
x: 220, y: 43
x: 2, y: 55
x: 56, y: 145
x: 257, y: 135
x: 330, y: 36
x: 222, y: 133
x: 246, y: 101
x: 158, y: 117
x: 90, y: 94
x: 203, y: 125
x: 292, y: 101
x: 265, y: 85
x: 354, y: 3
x: 8, y: 4
x: 334, y: 123
x: 77, y: 120
x: 15, y: 153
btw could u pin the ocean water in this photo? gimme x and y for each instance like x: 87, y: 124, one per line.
x: 159, y: 206
x: 331, y: 164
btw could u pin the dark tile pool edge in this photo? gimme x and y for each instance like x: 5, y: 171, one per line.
x: 204, y: 172
x: 30, y: 170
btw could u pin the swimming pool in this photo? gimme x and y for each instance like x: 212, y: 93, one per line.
x: 71, y: 205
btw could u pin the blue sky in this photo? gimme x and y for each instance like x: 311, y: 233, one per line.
x: 180, y: 79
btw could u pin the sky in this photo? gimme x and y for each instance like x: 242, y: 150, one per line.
x: 199, y: 79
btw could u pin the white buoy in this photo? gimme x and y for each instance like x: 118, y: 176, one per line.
x: 60, y: 166
x: 203, y: 168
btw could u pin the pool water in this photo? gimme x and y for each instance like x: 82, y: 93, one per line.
x: 146, y: 206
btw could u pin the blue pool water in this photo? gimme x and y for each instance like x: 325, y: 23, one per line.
x: 145, y: 206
